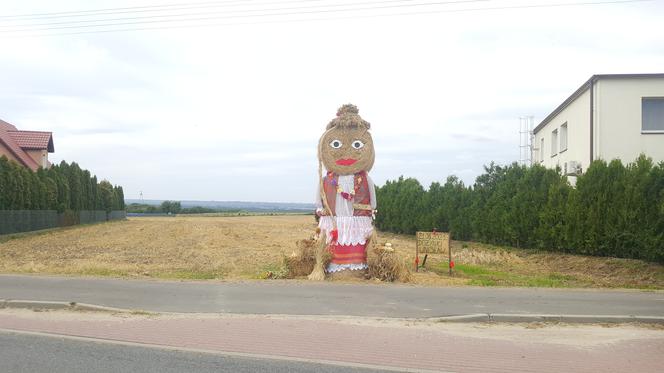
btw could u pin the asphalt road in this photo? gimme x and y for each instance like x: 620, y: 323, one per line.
x: 304, y: 298
x: 49, y: 354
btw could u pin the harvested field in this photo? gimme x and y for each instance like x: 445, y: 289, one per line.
x: 254, y: 247
x: 168, y: 247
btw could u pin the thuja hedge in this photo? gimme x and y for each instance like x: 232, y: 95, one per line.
x: 63, y: 187
x: 614, y: 210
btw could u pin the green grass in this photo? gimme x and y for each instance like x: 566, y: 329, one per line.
x: 179, y: 275
x: 189, y: 275
x: 488, y: 276
x: 103, y: 272
x: 272, y: 271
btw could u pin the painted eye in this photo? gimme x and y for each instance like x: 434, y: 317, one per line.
x: 336, y: 144
x: 357, y: 144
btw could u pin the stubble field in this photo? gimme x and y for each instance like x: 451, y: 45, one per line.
x: 249, y: 247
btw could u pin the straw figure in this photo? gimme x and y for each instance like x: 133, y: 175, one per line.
x: 346, y: 195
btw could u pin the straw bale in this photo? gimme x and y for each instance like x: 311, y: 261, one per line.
x: 301, y: 261
x: 386, y: 265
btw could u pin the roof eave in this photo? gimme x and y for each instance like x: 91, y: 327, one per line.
x: 587, y: 85
x: 581, y: 90
x: 51, y: 147
x: 48, y: 146
x: 24, y: 159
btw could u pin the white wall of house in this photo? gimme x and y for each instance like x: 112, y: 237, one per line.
x: 577, y: 118
x: 617, y: 125
x: 618, y: 119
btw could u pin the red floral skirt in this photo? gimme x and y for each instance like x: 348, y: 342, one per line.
x: 348, y: 254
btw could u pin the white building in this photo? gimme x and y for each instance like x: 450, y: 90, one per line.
x: 608, y: 117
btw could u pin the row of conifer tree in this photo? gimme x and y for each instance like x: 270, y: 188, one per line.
x: 62, y: 187
x: 613, y: 210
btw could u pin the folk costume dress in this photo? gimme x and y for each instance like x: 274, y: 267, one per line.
x: 352, y: 199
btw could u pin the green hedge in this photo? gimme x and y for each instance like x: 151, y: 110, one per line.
x: 614, y: 210
x: 62, y: 187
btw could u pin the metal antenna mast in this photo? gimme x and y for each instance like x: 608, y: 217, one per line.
x: 526, y: 140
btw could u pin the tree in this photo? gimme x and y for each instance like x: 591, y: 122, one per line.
x: 106, y: 195
x: 61, y: 187
x: 171, y: 207
x: 614, y: 210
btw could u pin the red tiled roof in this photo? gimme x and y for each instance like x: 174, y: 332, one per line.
x: 17, y: 142
x: 7, y: 126
x: 20, y: 154
x: 33, y: 139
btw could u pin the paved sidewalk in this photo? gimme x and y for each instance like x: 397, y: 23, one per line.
x: 431, y: 346
x: 306, y: 298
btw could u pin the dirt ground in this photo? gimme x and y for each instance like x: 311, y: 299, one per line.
x: 176, y: 247
x: 240, y: 248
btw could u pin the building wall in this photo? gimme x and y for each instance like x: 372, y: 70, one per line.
x: 4, y: 151
x: 577, y: 117
x: 618, y: 119
x: 40, y: 156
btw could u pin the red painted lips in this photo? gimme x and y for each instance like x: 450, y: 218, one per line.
x: 346, y: 162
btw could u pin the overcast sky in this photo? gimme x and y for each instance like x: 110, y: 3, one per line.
x: 233, y: 111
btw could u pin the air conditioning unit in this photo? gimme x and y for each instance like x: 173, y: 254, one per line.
x: 573, y: 168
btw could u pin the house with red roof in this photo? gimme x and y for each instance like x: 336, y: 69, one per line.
x: 27, y: 148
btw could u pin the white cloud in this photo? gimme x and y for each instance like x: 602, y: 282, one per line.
x: 235, y: 112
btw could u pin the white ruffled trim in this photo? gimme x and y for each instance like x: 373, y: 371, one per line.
x: 353, y: 230
x: 331, y: 268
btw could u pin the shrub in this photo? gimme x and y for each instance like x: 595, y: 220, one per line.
x: 614, y: 210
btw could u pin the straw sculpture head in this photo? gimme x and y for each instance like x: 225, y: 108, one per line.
x: 346, y: 147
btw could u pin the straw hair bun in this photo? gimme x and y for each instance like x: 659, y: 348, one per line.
x: 348, y: 116
x: 348, y: 109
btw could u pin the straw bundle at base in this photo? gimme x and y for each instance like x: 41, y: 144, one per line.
x: 322, y: 258
x: 303, y: 259
x: 301, y: 262
x: 385, y: 265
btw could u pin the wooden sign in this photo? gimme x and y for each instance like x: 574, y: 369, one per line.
x: 433, y: 242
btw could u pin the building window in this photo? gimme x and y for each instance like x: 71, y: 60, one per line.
x: 652, y: 114
x: 554, y: 142
x: 541, y: 152
x: 563, y: 137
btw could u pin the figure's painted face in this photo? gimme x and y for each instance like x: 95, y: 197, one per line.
x: 347, y: 151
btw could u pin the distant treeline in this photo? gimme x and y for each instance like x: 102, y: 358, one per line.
x: 172, y: 207
x: 614, y: 210
x: 63, y: 187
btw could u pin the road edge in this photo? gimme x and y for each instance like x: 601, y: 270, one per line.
x: 477, y: 317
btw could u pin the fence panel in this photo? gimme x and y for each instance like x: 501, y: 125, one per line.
x: 16, y: 221
x: 117, y: 215
x: 43, y: 219
x: 86, y: 217
x: 100, y: 216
